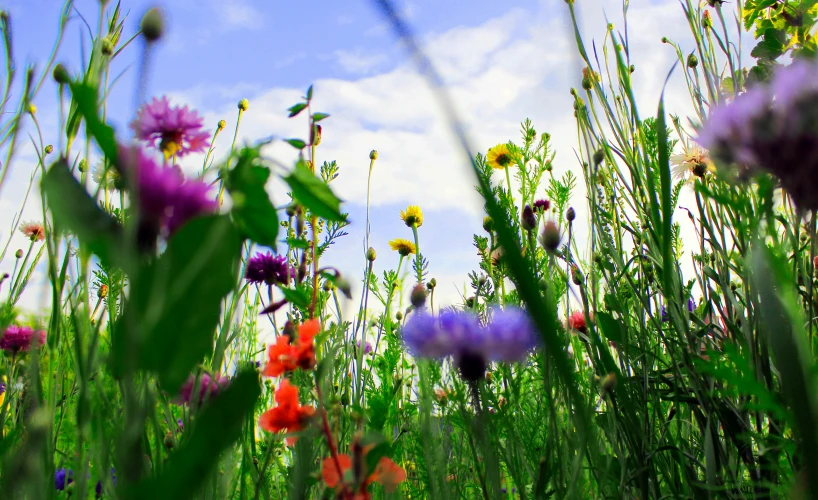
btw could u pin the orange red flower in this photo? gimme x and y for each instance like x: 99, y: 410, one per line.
x: 284, y: 356
x: 288, y: 415
x: 387, y: 473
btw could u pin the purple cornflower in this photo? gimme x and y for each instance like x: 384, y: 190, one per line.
x: 181, y: 424
x: 176, y: 131
x: 269, y: 269
x: 542, y: 205
x: 774, y: 129
x: 62, y: 478
x: 209, y: 387
x: 98, y: 488
x: 20, y: 338
x: 367, y: 347
x: 507, y: 338
x: 166, y: 199
x: 691, y: 305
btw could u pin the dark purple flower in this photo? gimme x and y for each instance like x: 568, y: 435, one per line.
x: 181, y: 424
x: 175, y: 131
x: 542, y: 205
x: 209, y: 387
x: 511, y: 335
x: 528, y: 220
x: 20, y: 338
x: 269, y: 269
x: 62, y: 478
x: 191, y: 199
x: 691, y: 305
x: 367, y: 347
x: 98, y: 489
x: 772, y: 129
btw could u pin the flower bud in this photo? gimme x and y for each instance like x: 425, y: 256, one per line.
x: 550, y: 237
x: 343, y: 285
x: 570, y: 215
x: 373, y: 155
x: 327, y: 285
x: 576, y: 275
x: 48, y: 149
x: 371, y: 254
x: 152, y: 24
x: 102, y: 291
x: 315, y: 136
x: 291, y: 210
x: 221, y: 124
x: 398, y: 315
x: 488, y: 224
x: 587, y: 83
x: 19, y: 253
x: 692, y: 61
x: 32, y: 109
x: 432, y: 283
x: 528, y: 220
x: 169, y: 441
x: 599, y: 155
x: 60, y: 74
x: 418, y: 296
x: 107, y: 47
x: 244, y: 104
x: 83, y: 166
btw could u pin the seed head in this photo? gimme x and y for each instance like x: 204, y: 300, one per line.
x: 153, y: 24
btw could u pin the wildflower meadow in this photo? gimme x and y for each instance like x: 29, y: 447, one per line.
x: 638, y: 323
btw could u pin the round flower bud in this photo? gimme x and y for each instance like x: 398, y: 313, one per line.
x: 488, y: 224
x: 244, y: 104
x: 692, y: 61
x: 599, y: 155
x: 398, y: 315
x: 550, y: 237
x: 291, y: 210
x: 418, y: 296
x: 373, y: 155
x: 102, y: 291
x: 343, y: 285
x: 587, y: 83
x: 221, y: 124
x: 169, y: 441
x: 107, y: 47
x: 19, y: 253
x: 152, y: 24
x: 528, y: 220
x: 32, y: 109
x: 371, y: 254
x: 432, y: 283
x: 48, y: 149
x: 60, y: 74
x: 83, y: 166
x: 570, y: 215
x: 327, y: 286
x: 664, y: 39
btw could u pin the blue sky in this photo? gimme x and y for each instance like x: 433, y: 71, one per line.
x: 503, y: 62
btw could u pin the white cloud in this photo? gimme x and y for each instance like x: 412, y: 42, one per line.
x: 359, y: 62
x: 237, y: 14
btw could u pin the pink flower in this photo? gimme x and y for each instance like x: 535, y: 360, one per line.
x: 175, y: 131
x: 20, y: 338
x: 33, y: 231
x: 209, y: 387
x: 576, y: 321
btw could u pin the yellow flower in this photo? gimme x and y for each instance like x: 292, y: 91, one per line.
x: 413, y: 215
x: 694, y: 162
x: 403, y: 247
x: 499, y: 157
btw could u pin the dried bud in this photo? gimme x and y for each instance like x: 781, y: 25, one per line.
x: 60, y: 74
x: 244, y: 104
x: 371, y: 254
x: 315, y: 137
x: 373, y: 155
x: 550, y: 237
x: 570, y: 215
x: 102, y: 291
x: 528, y: 220
x: 152, y: 24
x: 418, y: 296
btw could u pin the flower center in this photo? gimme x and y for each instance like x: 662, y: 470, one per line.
x: 503, y: 159
x: 699, y: 169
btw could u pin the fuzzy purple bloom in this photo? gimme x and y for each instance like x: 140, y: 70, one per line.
x: 209, y: 387
x: 98, y: 488
x: 269, y: 269
x: 181, y: 424
x: 691, y: 305
x: 175, y: 130
x: 166, y: 199
x: 367, y: 347
x: 20, y: 338
x: 772, y: 129
x: 62, y: 478
x: 511, y: 335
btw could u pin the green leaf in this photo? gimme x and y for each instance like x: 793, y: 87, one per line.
x: 314, y: 194
x: 610, y: 326
x: 252, y: 210
x: 217, y: 427
x: 74, y: 209
x: 309, y: 93
x: 296, y: 143
x: 87, y: 100
x: 317, y: 117
x: 298, y: 108
x: 175, y: 302
x: 297, y: 297
x: 298, y: 243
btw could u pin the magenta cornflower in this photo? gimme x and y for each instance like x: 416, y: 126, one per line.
x: 166, y: 199
x: 33, y: 231
x: 176, y: 131
x: 209, y: 387
x: 269, y: 269
x: 542, y: 205
x: 21, y: 338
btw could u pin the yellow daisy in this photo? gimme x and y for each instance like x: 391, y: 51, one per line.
x: 499, y: 157
x: 693, y: 162
x: 402, y: 246
x: 413, y: 215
